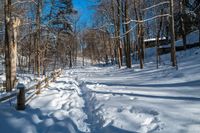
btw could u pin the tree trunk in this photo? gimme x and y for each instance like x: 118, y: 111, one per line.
x: 70, y: 58
x: 30, y: 50
x: 124, y: 29
x: 183, y: 29
x: 140, y: 37
x: 199, y: 31
x: 139, y: 47
x: 128, y: 45
x: 118, y: 35
x: 38, y: 36
x: 173, y: 47
x: 11, y: 25
x: 141, y: 43
x: 83, y: 62
x: 158, y: 40
x: 117, y: 32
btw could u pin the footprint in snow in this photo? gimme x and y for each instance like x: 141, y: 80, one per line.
x: 150, y: 124
x: 120, y: 109
x: 107, y: 98
x: 143, y: 111
x: 132, y: 98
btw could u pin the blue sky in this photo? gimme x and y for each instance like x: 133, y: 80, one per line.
x: 83, y: 8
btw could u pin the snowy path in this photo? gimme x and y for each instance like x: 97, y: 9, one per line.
x: 107, y: 100
x: 91, y: 108
x: 111, y: 100
x: 108, y: 118
x: 149, y: 100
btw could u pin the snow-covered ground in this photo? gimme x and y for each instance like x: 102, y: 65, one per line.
x: 59, y: 109
x: 190, y: 38
x: 112, y: 100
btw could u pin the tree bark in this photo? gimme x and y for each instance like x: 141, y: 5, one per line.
x: 140, y: 38
x: 38, y: 12
x: 158, y: 39
x: 128, y: 45
x: 173, y: 47
x: 11, y: 25
x: 183, y: 24
x: 117, y: 32
x: 120, y: 60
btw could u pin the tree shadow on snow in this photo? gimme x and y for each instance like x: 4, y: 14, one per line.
x: 151, y: 96
x: 33, y: 120
x: 195, y: 83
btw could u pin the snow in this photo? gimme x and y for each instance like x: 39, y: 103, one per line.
x: 154, y: 39
x: 57, y: 109
x: 191, y: 38
x: 111, y: 100
x: 147, y: 100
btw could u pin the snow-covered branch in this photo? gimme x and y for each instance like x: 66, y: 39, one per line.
x: 159, y: 4
x: 125, y: 33
x: 22, y: 2
x: 132, y: 20
x: 105, y: 25
x: 142, y: 21
x: 155, y: 17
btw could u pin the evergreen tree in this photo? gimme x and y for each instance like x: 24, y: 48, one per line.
x: 61, y: 10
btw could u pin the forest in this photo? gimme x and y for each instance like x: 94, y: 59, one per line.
x: 99, y: 66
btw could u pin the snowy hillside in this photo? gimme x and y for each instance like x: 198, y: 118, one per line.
x: 190, y: 38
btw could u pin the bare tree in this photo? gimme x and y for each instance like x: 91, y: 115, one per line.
x: 11, y: 24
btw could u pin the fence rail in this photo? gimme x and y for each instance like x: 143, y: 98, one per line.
x: 36, y: 88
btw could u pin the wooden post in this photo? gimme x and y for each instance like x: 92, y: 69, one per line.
x: 53, y: 76
x: 21, y: 97
x: 46, y: 82
x: 4, y: 85
x: 59, y: 72
x: 38, y: 88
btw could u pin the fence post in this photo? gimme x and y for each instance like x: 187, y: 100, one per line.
x: 54, y: 77
x: 38, y: 88
x: 46, y: 82
x: 59, y: 74
x: 21, y: 97
x: 4, y: 85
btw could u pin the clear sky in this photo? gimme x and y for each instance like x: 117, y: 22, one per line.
x: 83, y: 9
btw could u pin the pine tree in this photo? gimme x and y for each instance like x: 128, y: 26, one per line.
x: 61, y: 11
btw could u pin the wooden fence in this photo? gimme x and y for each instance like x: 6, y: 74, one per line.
x: 32, y: 91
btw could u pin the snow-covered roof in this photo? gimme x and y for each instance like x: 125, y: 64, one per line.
x: 154, y: 39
